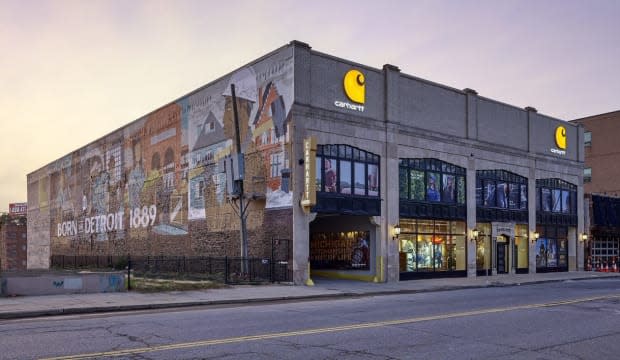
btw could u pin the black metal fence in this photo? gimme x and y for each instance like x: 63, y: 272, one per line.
x: 229, y: 270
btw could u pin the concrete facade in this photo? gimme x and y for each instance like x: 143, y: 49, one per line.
x: 401, y: 117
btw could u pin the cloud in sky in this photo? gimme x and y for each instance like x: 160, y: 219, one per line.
x: 73, y: 71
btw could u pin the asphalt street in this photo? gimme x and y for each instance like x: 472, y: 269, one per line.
x: 567, y: 320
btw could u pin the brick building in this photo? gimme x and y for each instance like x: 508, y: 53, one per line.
x: 601, y: 187
x: 13, y: 235
x: 371, y: 173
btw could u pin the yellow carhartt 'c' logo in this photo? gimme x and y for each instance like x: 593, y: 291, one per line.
x: 355, y: 86
x: 560, y: 137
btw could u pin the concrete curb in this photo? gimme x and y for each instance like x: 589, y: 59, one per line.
x: 347, y: 294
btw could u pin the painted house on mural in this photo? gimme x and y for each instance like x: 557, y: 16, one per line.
x: 371, y: 173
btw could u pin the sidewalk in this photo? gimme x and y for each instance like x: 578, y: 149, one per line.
x: 34, y: 306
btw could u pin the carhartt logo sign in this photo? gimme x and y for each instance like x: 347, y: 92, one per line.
x: 354, y: 84
x: 560, y: 141
x: 560, y: 137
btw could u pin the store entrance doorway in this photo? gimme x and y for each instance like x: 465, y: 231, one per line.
x: 502, y: 257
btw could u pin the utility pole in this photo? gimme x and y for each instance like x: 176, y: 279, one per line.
x: 242, y: 210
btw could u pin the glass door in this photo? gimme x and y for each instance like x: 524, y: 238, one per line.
x: 502, y: 257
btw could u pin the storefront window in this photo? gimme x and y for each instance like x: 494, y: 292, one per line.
x: 552, y: 248
x: 489, y: 190
x: 347, y: 170
x: 432, y: 245
x: 319, y: 174
x: 546, y: 199
x: 522, y: 246
x: 330, y: 175
x: 460, y: 194
x: 523, y: 204
x: 373, y: 180
x: 417, y: 185
x: 431, y: 180
x: 340, y: 250
x: 402, y: 183
x: 360, y: 178
x: 448, y: 189
x: 556, y: 196
x: 483, y: 248
x: 432, y: 189
x: 501, y: 189
x: 345, y: 177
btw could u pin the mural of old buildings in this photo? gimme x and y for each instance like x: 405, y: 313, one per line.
x: 158, y: 185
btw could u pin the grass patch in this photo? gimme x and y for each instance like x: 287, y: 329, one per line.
x: 147, y: 285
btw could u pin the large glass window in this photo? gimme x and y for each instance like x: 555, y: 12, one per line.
x: 347, y: 170
x: 501, y: 189
x: 431, y: 180
x: 551, y: 248
x: 483, y: 248
x: 556, y: 196
x: 521, y: 246
x: 432, y: 245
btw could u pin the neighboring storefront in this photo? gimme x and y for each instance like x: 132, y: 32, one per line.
x: 502, y: 223
x: 556, y: 210
x: 370, y: 174
x: 603, y: 243
x: 432, y: 208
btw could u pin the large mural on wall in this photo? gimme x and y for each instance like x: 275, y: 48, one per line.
x: 168, y: 168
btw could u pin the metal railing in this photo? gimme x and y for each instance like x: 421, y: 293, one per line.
x: 229, y: 270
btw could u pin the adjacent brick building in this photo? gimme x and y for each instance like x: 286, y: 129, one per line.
x: 601, y: 184
x: 13, y: 243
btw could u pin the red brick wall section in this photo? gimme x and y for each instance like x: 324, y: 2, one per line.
x: 13, y: 247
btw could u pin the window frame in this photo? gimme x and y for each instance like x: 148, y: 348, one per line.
x: 509, y: 180
x: 438, y: 170
x: 561, y: 187
x: 587, y: 178
x: 345, y: 153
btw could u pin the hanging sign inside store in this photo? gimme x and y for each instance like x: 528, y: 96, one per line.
x: 560, y: 141
x: 354, y: 84
x: 309, y: 198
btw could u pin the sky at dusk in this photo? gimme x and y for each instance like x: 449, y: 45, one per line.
x: 73, y: 71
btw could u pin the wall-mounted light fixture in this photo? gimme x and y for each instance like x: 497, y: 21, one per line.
x: 536, y: 236
x: 396, y: 232
x: 584, y: 237
x: 474, y: 235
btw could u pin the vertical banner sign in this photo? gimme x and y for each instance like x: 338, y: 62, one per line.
x: 309, y: 199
